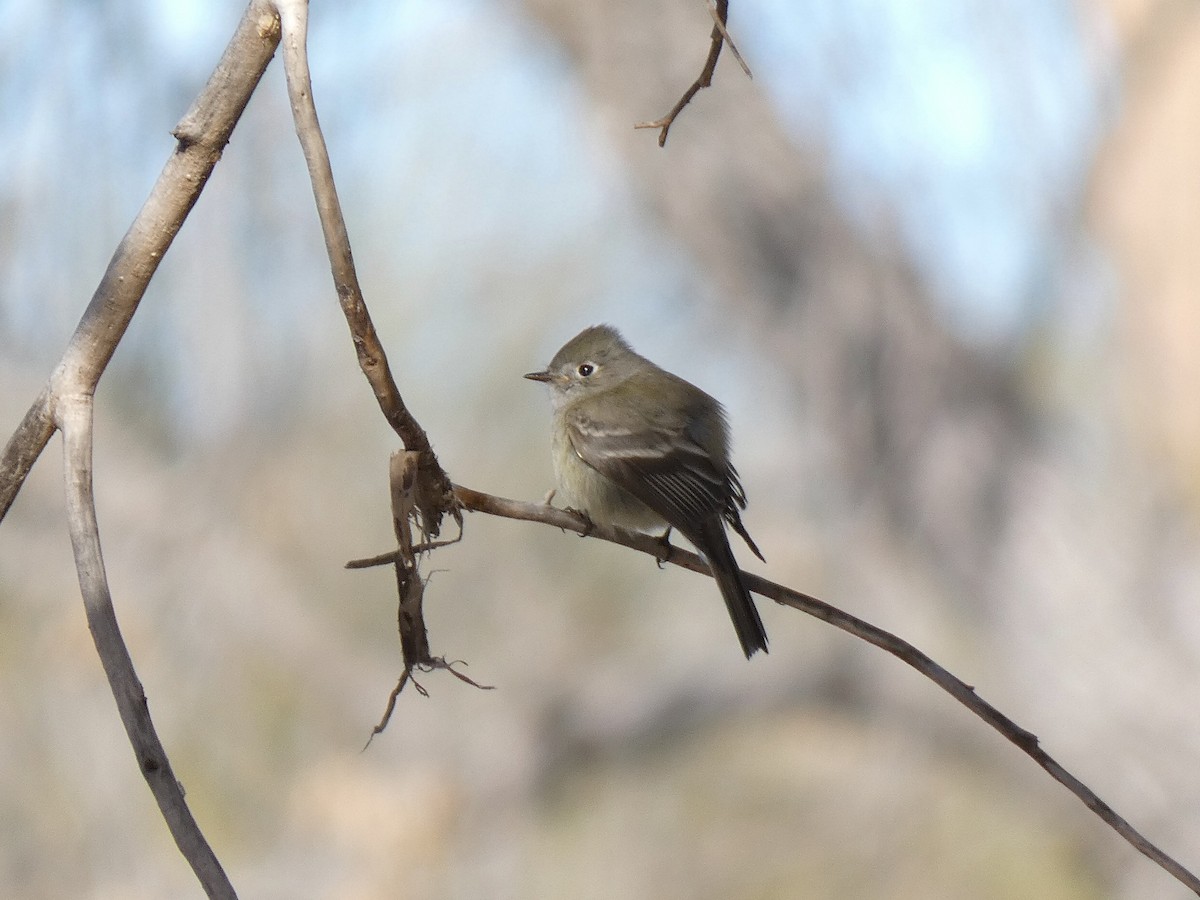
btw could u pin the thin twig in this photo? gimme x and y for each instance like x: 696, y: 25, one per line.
x: 431, y: 664
x: 434, y: 495
x: 382, y: 724
x: 370, y: 562
x: 718, y: 38
x: 476, y: 501
x: 719, y: 24
x: 390, y: 557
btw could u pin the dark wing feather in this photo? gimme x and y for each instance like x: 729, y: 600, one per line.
x: 737, y: 500
x: 667, y: 471
x: 675, y: 477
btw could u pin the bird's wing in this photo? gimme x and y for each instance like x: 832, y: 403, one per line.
x: 666, y: 470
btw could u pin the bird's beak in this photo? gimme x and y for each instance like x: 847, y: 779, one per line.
x: 546, y: 377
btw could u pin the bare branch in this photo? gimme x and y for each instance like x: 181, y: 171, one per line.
x: 24, y: 448
x: 410, y: 588
x: 66, y: 402
x: 389, y: 558
x: 434, y: 496
x: 964, y: 693
x: 718, y: 38
x: 75, y: 421
x: 403, y: 470
x: 202, y: 135
x: 433, y: 663
x: 719, y: 24
x: 382, y: 724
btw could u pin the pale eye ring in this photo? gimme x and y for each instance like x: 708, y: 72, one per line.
x: 585, y: 369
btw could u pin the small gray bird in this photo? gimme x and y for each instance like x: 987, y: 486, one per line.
x: 638, y: 447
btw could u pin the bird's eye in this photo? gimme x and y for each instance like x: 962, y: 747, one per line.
x: 586, y: 369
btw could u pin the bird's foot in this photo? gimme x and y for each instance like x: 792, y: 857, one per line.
x: 588, y: 525
x: 664, y: 540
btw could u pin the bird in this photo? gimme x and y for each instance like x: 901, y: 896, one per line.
x: 636, y: 446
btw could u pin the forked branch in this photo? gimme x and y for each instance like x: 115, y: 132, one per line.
x: 718, y: 39
x: 66, y: 402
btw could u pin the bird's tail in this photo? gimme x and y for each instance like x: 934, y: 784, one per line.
x: 712, y: 541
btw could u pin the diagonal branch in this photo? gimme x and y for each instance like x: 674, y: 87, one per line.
x: 1027, y: 742
x: 24, y: 448
x: 66, y: 402
x: 434, y: 497
x: 718, y: 39
x: 202, y: 135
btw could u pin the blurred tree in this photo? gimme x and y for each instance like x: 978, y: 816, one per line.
x: 1145, y: 204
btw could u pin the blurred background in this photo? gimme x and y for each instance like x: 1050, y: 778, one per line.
x: 937, y: 259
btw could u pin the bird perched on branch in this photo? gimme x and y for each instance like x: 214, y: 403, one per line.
x: 638, y: 447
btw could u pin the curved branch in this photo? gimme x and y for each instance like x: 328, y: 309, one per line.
x: 476, y: 501
x: 75, y: 421
x: 66, y: 402
x: 434, y: 497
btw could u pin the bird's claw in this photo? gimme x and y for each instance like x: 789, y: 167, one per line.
x: 664, y: 541
x: 588, y: 525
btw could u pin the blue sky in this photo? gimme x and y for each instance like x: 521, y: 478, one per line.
x: 974, y: 121
x: 967, y: 124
